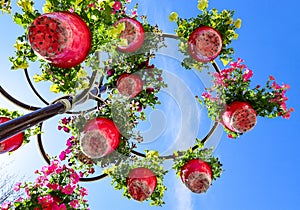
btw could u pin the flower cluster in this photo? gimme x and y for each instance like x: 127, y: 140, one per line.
x: 152, y: 161
x: 199, y: 152
x: 126, y: 112
x: 56, y: 187
x: 222, y: 21
x: 100, y: 16
x: 73, y: 152
x: 233, y: 84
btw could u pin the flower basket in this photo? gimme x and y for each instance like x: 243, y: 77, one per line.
x: 61, y: 38
x: 140, y: 179
x: 233, y: 102
x: 197, y: 168
x: 56, y: 187
x: 206, y: 36
x: 94, y: 25
x: 239, y: 117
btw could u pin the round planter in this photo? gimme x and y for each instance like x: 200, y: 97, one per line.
x: 62, y: 38
x: 141, y: 183
x: 204, y: 44
x: 134, y: 34
x: 129, y: 85
x: 239, y: 117
x: 12, y: 143
x: 196, y: 174
x: 100, y: 137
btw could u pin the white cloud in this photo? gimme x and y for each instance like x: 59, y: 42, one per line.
x: 183, y: 197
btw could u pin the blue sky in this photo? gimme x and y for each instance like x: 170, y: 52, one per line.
x: 261, y: 167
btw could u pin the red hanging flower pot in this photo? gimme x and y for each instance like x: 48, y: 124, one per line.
x: 239, y: 117
x: 196, y: 174
x: 100, y: 137
x: 141, y: 183
x: 61, y: 38
x: 12, y: 143
x: 204, y: 44
x: 134, y: 34
x: 129, y: 85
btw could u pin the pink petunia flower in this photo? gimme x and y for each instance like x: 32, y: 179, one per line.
x: 271, y: 77
x: 46, y: 199
x: 247, y: 75
x: 74, y: 176
x: 206, y: 95
x: 27, y: 192
x: 5, y: 205
x: 45, y: 170
x: 68, y: 151
x: 83, y: 191
x: 68, y: 189
x: 69, y: 142
x: 41, y: 181
x: 238, y: 64
x: 17, y: 186
x: 62, y: 206
x: 275, y: 86
x: 117, y: 6
x: 54, y: 186
x: 286, y: 86
x: 134, y: 13
x: 62, y: 155
x: 74, y: 204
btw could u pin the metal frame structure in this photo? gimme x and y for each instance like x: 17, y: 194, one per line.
x: 64, y: 105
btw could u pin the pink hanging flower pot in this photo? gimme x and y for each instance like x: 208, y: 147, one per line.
x: 205, y: 44
x: 239, y: 117
x: 196, y: 174
x: 141, y: 183
x: 12, y: 143
x: 130, y: 85
x: 133, y: 33
x: 100, y: 138
x: 62, y: 38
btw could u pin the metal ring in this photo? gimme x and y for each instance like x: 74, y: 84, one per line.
x: 103, y: 175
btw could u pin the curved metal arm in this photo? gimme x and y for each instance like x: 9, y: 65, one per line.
x: 17, y: 102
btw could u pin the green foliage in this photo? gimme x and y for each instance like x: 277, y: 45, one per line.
x: 5, y: 6
x: 153, y: 162
x: 198, y: 153
x: 222, y: 21
x: 100, y: 19
x: 56, y: 186
x: 234, y: 84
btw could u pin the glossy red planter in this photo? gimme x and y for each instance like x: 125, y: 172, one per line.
x: 134, y: 34
x: 196, y: 174
x: 141, y: 183
x: 62, y: 38
x: 239, y: 117
x: 129, y: 85
x: 204, y: 44
x: 100, y: 137
x: 13, y: 143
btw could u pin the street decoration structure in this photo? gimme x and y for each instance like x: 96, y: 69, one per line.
x: 102, y: 51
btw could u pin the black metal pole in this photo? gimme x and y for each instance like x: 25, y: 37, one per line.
x: 20, y: 124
